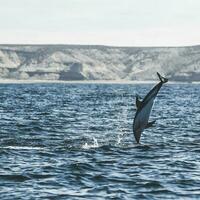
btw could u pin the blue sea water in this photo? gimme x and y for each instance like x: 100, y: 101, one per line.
x: 75, y: 141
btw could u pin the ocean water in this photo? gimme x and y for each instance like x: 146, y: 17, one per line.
x: 75, y: 141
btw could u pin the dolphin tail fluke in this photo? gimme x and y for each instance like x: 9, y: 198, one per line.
x: 162, y: 79
x: 150, y: 124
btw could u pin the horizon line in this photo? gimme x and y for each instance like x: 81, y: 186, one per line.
x: 99, y: 45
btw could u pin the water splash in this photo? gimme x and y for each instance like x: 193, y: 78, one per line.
x: 89, y: 146
x: 119, y: 138
x: 122, y: 119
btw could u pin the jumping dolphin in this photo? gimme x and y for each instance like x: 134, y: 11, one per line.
x: 144, y: 109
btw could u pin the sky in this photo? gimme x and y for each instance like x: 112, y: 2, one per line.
x: 100, y: 22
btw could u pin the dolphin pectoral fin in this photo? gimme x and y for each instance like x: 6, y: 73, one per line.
x: 138, y: 101
x: 150, y: 124
x: 162, y: 79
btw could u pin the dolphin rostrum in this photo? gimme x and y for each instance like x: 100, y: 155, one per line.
x: 144, y: 108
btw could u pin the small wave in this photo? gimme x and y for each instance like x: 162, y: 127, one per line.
x: 13, y: 177
x: 22, y: 148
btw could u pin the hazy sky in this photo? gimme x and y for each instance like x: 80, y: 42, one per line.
x: 108, y: 22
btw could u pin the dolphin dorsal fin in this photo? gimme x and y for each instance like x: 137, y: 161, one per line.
x: 162, y: 79
x: 138, y: 101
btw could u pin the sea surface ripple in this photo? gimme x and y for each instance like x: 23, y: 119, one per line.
x: 75, y: 141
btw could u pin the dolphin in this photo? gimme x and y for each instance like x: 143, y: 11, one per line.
x: 144, y: 108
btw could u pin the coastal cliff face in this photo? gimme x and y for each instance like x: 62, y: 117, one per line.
x: 76, y: 62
